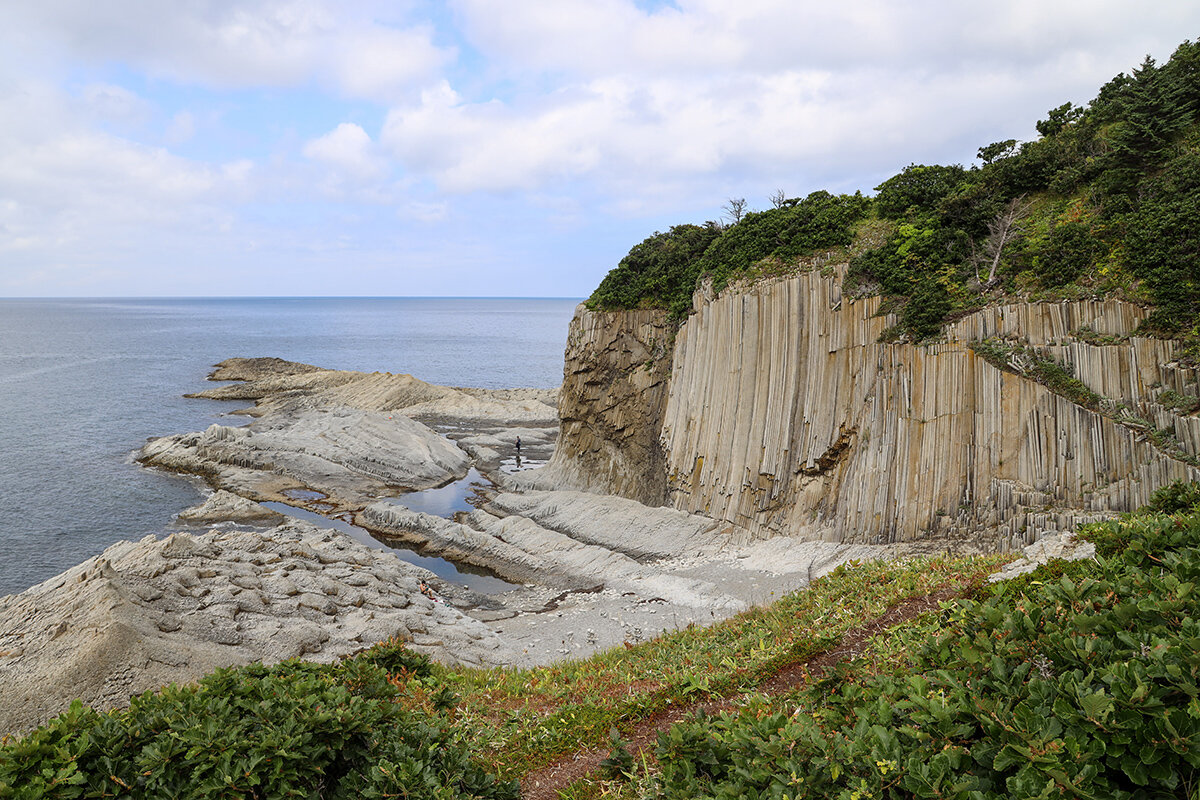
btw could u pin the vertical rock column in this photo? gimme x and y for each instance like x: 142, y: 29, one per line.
x: 787, y: 415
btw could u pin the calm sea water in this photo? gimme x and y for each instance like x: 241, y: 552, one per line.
x: 83, y: 383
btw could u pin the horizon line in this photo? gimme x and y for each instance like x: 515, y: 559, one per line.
x: 295, y: 297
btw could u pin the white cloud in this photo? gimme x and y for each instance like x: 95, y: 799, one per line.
x: 110, y: 103
x: 711, y: 91
x: 348, y: 149
x: 425, y: 212
x: 543, y: 118
x: 181, y: 128
x: 242, y: 43
x: 598, y: 37
x: 72, y: 197
x: 620, y: 131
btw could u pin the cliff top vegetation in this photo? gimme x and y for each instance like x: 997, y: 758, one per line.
x: 1105, y: 202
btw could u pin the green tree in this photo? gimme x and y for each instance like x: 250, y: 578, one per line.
x: 1059, y: 118
x: 917, y: 189
x: 660, y: 272
x: 1162, y: 245
x: 1151, y: 117
x: 997, y: 150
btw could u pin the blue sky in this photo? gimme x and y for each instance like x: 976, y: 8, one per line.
x: 487, y: 147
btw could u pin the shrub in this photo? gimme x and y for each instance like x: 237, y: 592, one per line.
x: 1067, y: 253
x: 292, y: 730
x: 917, y: 190
x: 660, y: 272
x: 819, y: 221
x: 1162, y: 245
x: 394, y: 657
x: 1080, y: 685
x: 1175, y: 497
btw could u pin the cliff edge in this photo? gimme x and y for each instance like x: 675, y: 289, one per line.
x: 784, y: 413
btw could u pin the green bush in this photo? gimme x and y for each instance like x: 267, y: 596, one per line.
x: 923, y: 313
x: 394, y: 657
x: 1162, y: 246
x: 660, y: 272
x: 1067, y: 253
x: 1085, y: 685
x: 663, y: 270
x: 292, y: 730
x: 917, y: 190
x: 818, y: 222
x: 1175, y: 497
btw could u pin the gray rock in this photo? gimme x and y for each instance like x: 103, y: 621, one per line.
x: 103, y: 630
x: 223, y: 506
x: 1058, y: 545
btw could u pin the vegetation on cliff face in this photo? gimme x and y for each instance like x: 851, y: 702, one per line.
x: 1106, y: 201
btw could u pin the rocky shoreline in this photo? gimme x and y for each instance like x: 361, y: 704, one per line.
x: 590, y: 571
x: 239, y: 582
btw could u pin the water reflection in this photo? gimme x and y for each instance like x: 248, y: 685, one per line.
x: 446, y: 570
x: 447, y: 500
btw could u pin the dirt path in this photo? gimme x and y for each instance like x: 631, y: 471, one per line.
x: 547, y: 782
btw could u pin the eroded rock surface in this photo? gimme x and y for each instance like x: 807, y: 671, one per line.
x: 614, y: 394
x: 146, y: 613
x: 346, y: 453
x: 351, y: 436
x: 223, y: 506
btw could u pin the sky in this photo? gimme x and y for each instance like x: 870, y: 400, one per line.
x: 488, y: 147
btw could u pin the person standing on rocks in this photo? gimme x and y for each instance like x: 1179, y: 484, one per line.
x: 518, y: 445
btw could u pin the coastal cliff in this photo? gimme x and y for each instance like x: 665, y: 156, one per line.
x: 616, y: 371
x: 785, y: 414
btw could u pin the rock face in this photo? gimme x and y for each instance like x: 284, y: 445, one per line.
x: 614, y: 393
x: 223, y: 506
x: 574, y: 541
x: 147, y: 613
x: 1057, y: 545
x: 343, y: 452
x: 785, y: 414
x: 349, y: 436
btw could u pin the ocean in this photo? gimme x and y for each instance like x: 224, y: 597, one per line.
x: 84, y: 382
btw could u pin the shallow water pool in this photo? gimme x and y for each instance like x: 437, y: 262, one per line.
x: 446, y: 570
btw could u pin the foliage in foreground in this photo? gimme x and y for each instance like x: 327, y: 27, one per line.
x: 292, y: 730
x: 1080, y: 681
x: 525, y: 719
x: 373, y: 725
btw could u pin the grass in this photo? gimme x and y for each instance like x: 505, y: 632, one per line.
x: 520, y: 720
x: 512, y: 722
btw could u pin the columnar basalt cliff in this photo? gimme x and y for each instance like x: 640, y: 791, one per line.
x: 785, y: 414
x: 613, y: 397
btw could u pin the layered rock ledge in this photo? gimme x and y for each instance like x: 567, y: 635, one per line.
x: 143, y: 614
x: 351, y: 436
